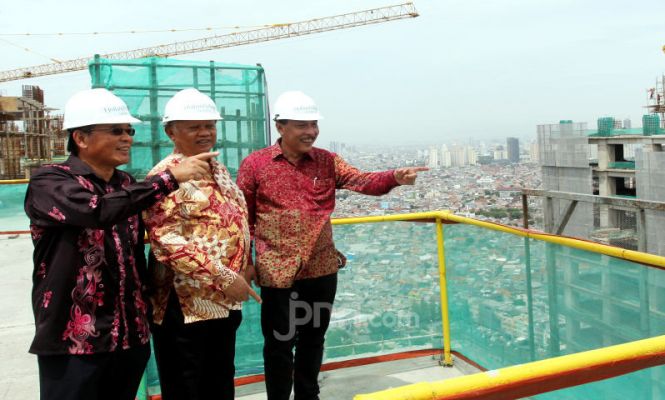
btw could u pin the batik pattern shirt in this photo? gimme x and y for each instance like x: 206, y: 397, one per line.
x: 290, y: 207
x: 89, y: 258
x: 200, y: 237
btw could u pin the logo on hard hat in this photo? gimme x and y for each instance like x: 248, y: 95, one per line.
x: 121, y: 110
x: 306, y: 109
x: 200, y: 107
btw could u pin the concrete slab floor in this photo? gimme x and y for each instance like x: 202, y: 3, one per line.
x: 19, y: 374
x: 343, y: 384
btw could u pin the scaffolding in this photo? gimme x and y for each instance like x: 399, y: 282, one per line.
x: 656, y: 102
x: 146, y: 84
x: 29, y: 134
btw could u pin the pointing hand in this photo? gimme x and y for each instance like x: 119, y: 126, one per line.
x: 407, y: 176
x: 194, y: 167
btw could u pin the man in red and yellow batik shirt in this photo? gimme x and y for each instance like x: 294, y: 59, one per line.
x: 200, y: 239
x: 290, y: 193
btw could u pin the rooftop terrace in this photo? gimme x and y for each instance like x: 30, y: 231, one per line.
x: 511, y: 297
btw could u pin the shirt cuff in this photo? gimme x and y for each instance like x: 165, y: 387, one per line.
x: 391, y: 178
x: 166, y: 181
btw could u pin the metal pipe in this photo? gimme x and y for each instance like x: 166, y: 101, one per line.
x: 14, y: 181
x: 443, y: 290
x: 536, y: 377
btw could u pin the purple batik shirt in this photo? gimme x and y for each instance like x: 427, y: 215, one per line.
x: 89, y: 261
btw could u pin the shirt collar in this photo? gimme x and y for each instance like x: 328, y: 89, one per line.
x: 79, y: 167
x: 276, y: 151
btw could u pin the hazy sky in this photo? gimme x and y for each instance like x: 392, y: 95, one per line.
x: 464, y: 68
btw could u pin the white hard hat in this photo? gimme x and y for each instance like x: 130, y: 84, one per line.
x: 96, y: 106
x: 190, y: 105
x: 296, y: 105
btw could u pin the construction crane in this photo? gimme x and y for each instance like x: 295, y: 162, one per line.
x: 274, y: 32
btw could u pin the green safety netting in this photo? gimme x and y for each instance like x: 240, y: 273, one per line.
x: 512, y: 300
x: 515, y: 300
x: 12, y: 216
x: 621, y: 164
x: 606, y: 127
x: 147, y: 84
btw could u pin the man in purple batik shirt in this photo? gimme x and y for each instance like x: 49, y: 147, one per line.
x: 91, y: 325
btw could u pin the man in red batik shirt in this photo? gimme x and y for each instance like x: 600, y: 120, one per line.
x: 290, y: 193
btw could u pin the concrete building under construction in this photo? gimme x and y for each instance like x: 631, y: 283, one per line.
x: 614, y: 161
x: 29, y: 134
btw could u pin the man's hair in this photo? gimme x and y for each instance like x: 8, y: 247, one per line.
x: 282, y: 121
x: 72, y: 147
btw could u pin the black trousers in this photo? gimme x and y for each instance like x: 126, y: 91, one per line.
x: 296, y: 317
x: 196, y: 360
x: 114, y: 376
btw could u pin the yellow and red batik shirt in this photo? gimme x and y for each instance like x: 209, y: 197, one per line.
x: 200, y: 238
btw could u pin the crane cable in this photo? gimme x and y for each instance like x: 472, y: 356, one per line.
x: 137, y: 31
x: 133, y: 31
x: 55, y: 60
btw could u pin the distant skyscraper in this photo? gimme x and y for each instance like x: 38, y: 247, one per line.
x: 472, y: 156
x: 446, y: 159
x: 513, y: 150
x: 337, y: 147
x: 534, y: 152
x: 433, y: 161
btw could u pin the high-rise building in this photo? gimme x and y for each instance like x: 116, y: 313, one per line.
x: 433, y: 161
x: 533, y: 152
x: 513, y: 145
x: 446, y: 158
x: 337, y: 147
x: 471, y: 156
x: 499, y: 153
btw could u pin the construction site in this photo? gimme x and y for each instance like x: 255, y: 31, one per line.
x: 614, y: 160
x: 30, y: 133
x: 431, y: 305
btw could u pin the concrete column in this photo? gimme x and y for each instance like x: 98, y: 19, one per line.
x: 606, y: 187
x: 605, y: 155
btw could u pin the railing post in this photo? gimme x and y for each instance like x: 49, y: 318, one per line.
x: 550, y: 260
x: 445, y: 319
x: 525, y: 211
x: 529, y: 298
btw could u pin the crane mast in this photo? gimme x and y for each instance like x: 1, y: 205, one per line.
x: 273, y: 32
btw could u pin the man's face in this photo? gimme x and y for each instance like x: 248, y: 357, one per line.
x: 298, y: 137
x: 106, y: 145
x: 192, y: 137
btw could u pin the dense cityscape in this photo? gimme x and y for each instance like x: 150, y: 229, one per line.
x: 485, y: 185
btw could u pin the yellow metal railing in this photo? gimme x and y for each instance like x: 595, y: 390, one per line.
x: 442, y: 217
x: 532, y: 378
x: 14, y: 181
x: 536, y: 377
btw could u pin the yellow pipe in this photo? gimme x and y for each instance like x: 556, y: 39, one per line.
x: 630, y: 255
x: 13, y: 181
x: 390, y: 218
x: 443, y: 290
x: 599, y: 248
x: 536, y: 377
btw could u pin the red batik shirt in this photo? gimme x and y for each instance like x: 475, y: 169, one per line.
x: 290, y: 206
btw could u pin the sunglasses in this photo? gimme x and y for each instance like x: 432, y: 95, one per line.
x: 116, y: 131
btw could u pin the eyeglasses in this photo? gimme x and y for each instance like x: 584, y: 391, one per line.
x: 116, y: 131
